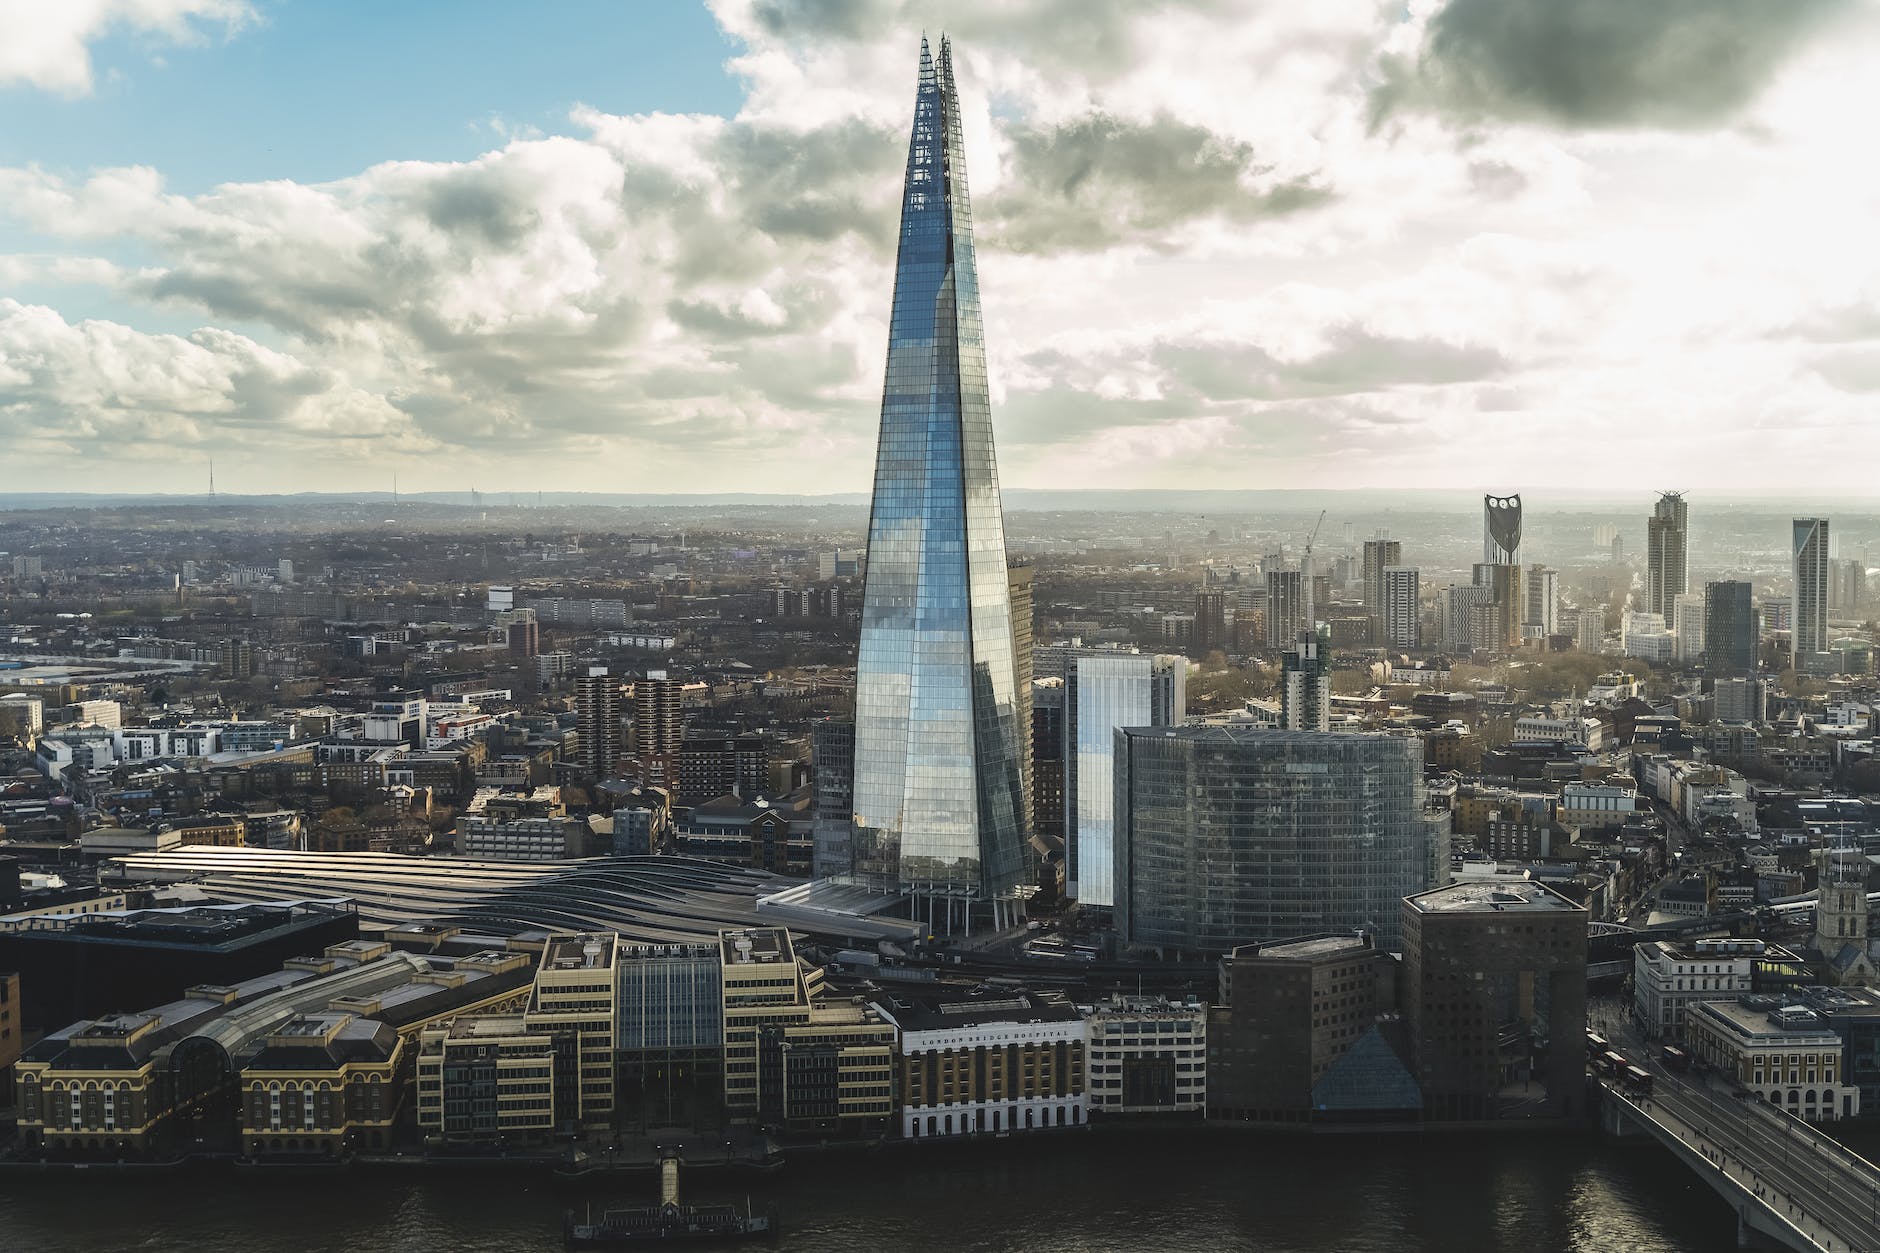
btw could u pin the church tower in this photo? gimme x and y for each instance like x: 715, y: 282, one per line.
x: 1841, y: 917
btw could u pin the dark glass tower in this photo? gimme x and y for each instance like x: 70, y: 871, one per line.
x: 939, y: 810
x: 1730, y: 629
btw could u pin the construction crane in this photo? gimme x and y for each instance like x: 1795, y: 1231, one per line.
x: 1309, y: 611
x: 1315, y: 534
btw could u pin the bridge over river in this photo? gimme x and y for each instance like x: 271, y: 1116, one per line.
x: 1790, y: 1185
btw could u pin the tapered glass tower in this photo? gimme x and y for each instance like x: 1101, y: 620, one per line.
x: 939, y: 808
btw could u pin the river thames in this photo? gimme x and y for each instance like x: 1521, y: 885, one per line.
x: 1152, y: 1192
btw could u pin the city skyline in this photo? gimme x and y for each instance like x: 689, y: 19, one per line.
x: 1414, y: 257
x: 1350, y: 634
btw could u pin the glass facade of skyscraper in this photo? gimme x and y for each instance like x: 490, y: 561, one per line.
x: 1227, y: 836
x: 939, y: 806
x: 1105, y: 692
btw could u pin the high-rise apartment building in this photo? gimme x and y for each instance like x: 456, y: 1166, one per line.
x: 1379, y: 556
x: 1047, y: 759
x: 523, y: 635
x: 597, y: 719
x: 1402, y: 607
x: 1808, y: 632
x: 1104, y: 692
x: 1501, y: 530
x: 1688, y: 626
x: 1741, y: 698
x: 1305, y: 694
x: 939, y: 758
x: 1666, y: 540
x: 1847, y: 584
x: 658, y: 718
x: 1285, y: 607
x: 1211, y: 619
x: 1589, y: 630
x: 1227, y: 836
x: 1542, y: 589
x: 1730, y: 632
x: 1459, y: 605
x: 1503, y: 582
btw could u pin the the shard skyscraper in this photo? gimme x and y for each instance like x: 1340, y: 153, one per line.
x: 939, y: 811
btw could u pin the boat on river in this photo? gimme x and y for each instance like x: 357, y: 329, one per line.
x: 668, y: 1222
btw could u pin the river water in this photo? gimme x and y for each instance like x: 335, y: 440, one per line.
x: 1150, y: 1192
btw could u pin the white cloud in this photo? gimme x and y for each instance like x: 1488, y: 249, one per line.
x: 99, y: 388
x: 1207, y: 259
x: 47, y: 43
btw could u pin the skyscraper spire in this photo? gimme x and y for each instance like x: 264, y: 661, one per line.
x: 939, y: 810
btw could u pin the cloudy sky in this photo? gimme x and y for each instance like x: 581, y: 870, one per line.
x: 1517, y: 244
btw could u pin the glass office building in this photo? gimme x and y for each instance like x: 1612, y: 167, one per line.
x: 939, y: 805
x: 1105, y: 691
x: 1808, y: 620
x: 669, y: 1036
x: 1227, y: 836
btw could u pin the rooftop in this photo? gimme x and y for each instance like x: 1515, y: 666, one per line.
x: 223, y: 926
x: 1307, y: 948
x: 1720, y: 950
x: 1523, y: 896
x: 573, y: 952
x: 1768, y: 1019
x: 754, y: 944
x: 976, y: 1007
x: 487, y: 1026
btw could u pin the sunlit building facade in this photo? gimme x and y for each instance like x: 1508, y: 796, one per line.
x: 939, y: 799
x: 1104, y: 692
x: 1809, y: 629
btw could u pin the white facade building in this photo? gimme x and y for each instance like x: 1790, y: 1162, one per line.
x: 1690, y: 627
x: 1402, y: 608
x: 1589, y: 630
x: 1596, y: 806
x: 1104, y: 691
x: 1669, y: 977
x: 1588, y: 733
x: 521, y: 839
